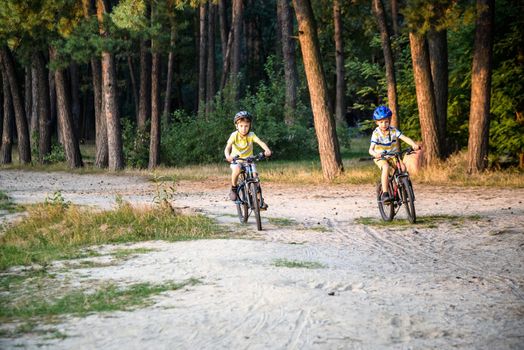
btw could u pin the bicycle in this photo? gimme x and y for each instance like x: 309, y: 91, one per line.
x: 249, y: 192
x: 400, y: 190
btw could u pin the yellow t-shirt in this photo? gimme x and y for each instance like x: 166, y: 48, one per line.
x: 242, y: 146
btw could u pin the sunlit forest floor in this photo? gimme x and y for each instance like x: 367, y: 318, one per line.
x: 358, y: 169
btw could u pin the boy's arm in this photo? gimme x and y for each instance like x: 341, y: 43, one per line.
x: 372, y: 151
x: 227, y: 152
x: 267, y: 151
x: 409, y: 142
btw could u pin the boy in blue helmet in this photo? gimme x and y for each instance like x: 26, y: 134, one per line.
x: 240, y: 143
x: 386, y: 138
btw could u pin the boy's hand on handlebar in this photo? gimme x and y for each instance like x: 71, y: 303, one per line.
x: 230, y: 159
x: 268, y: 153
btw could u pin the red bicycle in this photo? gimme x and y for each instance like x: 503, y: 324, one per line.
x: 399, y: 188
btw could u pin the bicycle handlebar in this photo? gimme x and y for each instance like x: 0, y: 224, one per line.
x: 258, y: 157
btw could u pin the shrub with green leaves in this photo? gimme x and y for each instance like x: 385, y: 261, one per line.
x: 202, y: 138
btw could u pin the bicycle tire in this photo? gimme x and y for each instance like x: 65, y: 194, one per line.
x: 387, y: 210
x: 242, y: 208
x: 408, y: 199
x: 255, y: 204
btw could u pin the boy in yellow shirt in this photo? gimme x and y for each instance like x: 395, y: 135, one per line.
x: 240, y: 143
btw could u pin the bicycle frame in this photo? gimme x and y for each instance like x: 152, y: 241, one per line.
x: 400, y: 189
x: 249, y: 193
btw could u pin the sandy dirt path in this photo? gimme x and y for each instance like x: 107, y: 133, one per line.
x: 457, y: 283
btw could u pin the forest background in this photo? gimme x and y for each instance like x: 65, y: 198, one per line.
x: 158, y: 82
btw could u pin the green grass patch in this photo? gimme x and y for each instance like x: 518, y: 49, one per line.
x: 8, y: 205
x: 126, y: 253
x: 282, y: 222
x: 298, y: 264
x: 107, y: 298
x: 53, y: 232
x: 430, y: 221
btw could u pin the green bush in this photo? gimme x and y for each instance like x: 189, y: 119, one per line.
x: 135, y: 144
x: 202, y: 138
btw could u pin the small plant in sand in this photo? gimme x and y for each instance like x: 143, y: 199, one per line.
x: 298, y: 264
x: 164, y: 193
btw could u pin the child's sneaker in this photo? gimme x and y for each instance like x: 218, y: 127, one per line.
x: 263, y: 206
x: 233, y: 194
x: 386, y: 198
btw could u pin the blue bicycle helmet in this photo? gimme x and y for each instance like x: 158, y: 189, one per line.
x: 382, y: 112
x: 242, y: 115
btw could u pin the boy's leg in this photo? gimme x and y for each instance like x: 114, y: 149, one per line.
x: 235, y: 172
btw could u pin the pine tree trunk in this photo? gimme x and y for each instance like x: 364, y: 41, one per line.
x: 28, y: 97
x: 109, y: 98
x: 202, y: 58
x: 154, y: 145
x: 102, y: 155
x: 211, y: 72
x: 52, y: 103
x: 65, y: 118
x: 284, y: 14
x: 169, y: 79
x: 33, y: 107
x: 110, y: 104
x: 76, y: 104
x: 324, y: 122
x: 134, y: 86
x: 438, y: 56
x: 144, y: 104
x: 425, y: 97
x: 7, y: 126
x: 340, y: 100
x: 44, y: 110
x: 394, y: 17
x: 481, y: 87
x: 378, y: 10
x: 238, y: 10
x: 224, y: 30
x: 24, y: 148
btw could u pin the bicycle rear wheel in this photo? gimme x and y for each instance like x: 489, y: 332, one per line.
x: 387, y: 210
x: 242, y: 208
x: 408, y: 199
x: 255, y: 204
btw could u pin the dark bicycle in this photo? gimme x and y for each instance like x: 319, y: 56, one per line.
x: 249, y: 192
x: 400, y: 190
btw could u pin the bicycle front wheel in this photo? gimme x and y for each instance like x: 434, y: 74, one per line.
x: 255, y: 204
x: 408, y: 199
x: 387, y: 210
x: 242, y: 208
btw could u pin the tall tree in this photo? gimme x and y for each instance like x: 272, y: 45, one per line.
x: 231, y: 63
x: 202, y: 57
x: 144, y: 104
x: 101, y: 145
x: 109, y: 96
x: 223, y: 26
x: 43, y: 103
x: 340, y: 100
x: 154, y: 140
x: 328, y: 146
x: 169, y: 80
x: 211, y: 71
x: 425, y: 96
x: 284, y: 14
x: 481, y: 87
x: 65, y: 117
x: 438, y: 56
x: 7, y: 126
x: 24, y: 148
x: 394, y: 17
x: 378, y: 11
